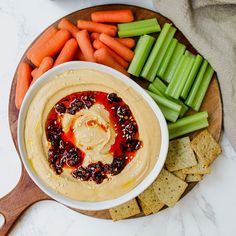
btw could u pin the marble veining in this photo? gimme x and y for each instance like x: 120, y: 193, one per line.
x: 208, y: 210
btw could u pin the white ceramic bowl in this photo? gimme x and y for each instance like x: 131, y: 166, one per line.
x: 102, y: 204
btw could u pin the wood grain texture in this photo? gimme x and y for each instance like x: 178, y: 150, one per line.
x: 26, y: 192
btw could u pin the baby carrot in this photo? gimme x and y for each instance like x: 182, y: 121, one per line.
x: 97, y: 27
x: 41, y: 40
x: 128, y: 42
x: 23, y: 82
x: 45, y: 65
x: 118, y: 16
x: 104, y: 57
x: 51, y: 48
x: 85, y: 45
x: 79, y: 55
x: 98, y: 44
x: 69, y: 26
x: 68, y: 52
x: 118, y: 47
x: 94, y: 36
x: 33, y: 73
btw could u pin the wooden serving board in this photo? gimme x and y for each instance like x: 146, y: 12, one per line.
x: 26, y: 192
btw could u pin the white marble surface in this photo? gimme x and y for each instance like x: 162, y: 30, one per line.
x: 210, y: 209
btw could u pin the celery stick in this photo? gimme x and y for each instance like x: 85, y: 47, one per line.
x: 152, y: 57
x: 193, y: 92
x: 188, y: 124
x: 167, y: 58
x: 169, y: 114
x: 141, y: 54
x: 203, y: 88
x: 178, y: 53
x: 188, y: 53
x: 161, y: 53
x: 197, y: 62
x: 155, y: 90
x: 157, y: 86
x: 138, y: 24
x: 179, y: 78
x: 165, y: 102
x: 137, y: 28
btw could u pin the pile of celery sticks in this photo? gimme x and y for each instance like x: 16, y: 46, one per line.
x: 179, y: 79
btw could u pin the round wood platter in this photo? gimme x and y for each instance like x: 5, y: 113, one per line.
x: 26, y: 192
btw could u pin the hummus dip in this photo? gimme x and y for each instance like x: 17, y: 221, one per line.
x: 91, y: 137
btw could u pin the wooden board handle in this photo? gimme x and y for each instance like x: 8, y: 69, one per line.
x: 18, y: 200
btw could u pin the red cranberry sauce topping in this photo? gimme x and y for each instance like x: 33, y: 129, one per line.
x: 63, y: 153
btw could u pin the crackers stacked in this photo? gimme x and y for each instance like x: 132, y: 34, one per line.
x: 187, y: 161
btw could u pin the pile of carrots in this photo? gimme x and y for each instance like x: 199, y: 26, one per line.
x: 93, y: 41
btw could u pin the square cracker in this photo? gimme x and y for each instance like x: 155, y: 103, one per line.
x: 169, y: 188
x: 193, y: 178
x: 180, y: 174
x: 125, y: 210
x: 206, y: 148
x: 200, y: 168
x: 146, y: 210
x: 151, y: 200
x: 180, y: 155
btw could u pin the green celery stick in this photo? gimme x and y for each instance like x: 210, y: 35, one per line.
x: 156, y: 48
x: 179, y: 78
x: 138, y: 28
x: 155, y: 90
x: 141, y: 54
x: 167, y: 57
x: 197, y: 63
x: 188, y: 124
x: 188, y: 53
x: 169, y: 114
x: 157, y: 87
x: 152, y: 74
x: 165, y: 102
x: 138, y: 24
x: 193, y: 92
x: 175, y: 59
x: 138, y: 44
x: 203, y: 88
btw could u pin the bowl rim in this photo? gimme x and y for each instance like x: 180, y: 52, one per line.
x: 99, y: 205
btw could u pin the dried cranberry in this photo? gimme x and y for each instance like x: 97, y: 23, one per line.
x: 88, y: 100
x: 130, y: 130
x: 112, y: 97
x: 60, y: 108
x: 117, y: 165
x: 133, y: 145
x: 77, y: 105
x: 71, y: 110
x: 98, y: 177
x: 123, y: 111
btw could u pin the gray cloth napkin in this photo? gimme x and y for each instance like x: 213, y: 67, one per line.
x: 210, y: 26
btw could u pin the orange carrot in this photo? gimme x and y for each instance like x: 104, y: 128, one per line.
x: 85, y: 45
x: 98, y: 44
x: 45, y: 65
x: 94, y: 36
x: 50, y: 48
x: 118, y: 47
x: 33, y: 73
x: 41, y: 40
x: 68, y: 52
x: 104, y: 57
x: 69, y: 26
x: 79, y: 56
x: 118, y: 16
x: 128, y: 42
x: 23, y: 82
x: 97, y: 27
